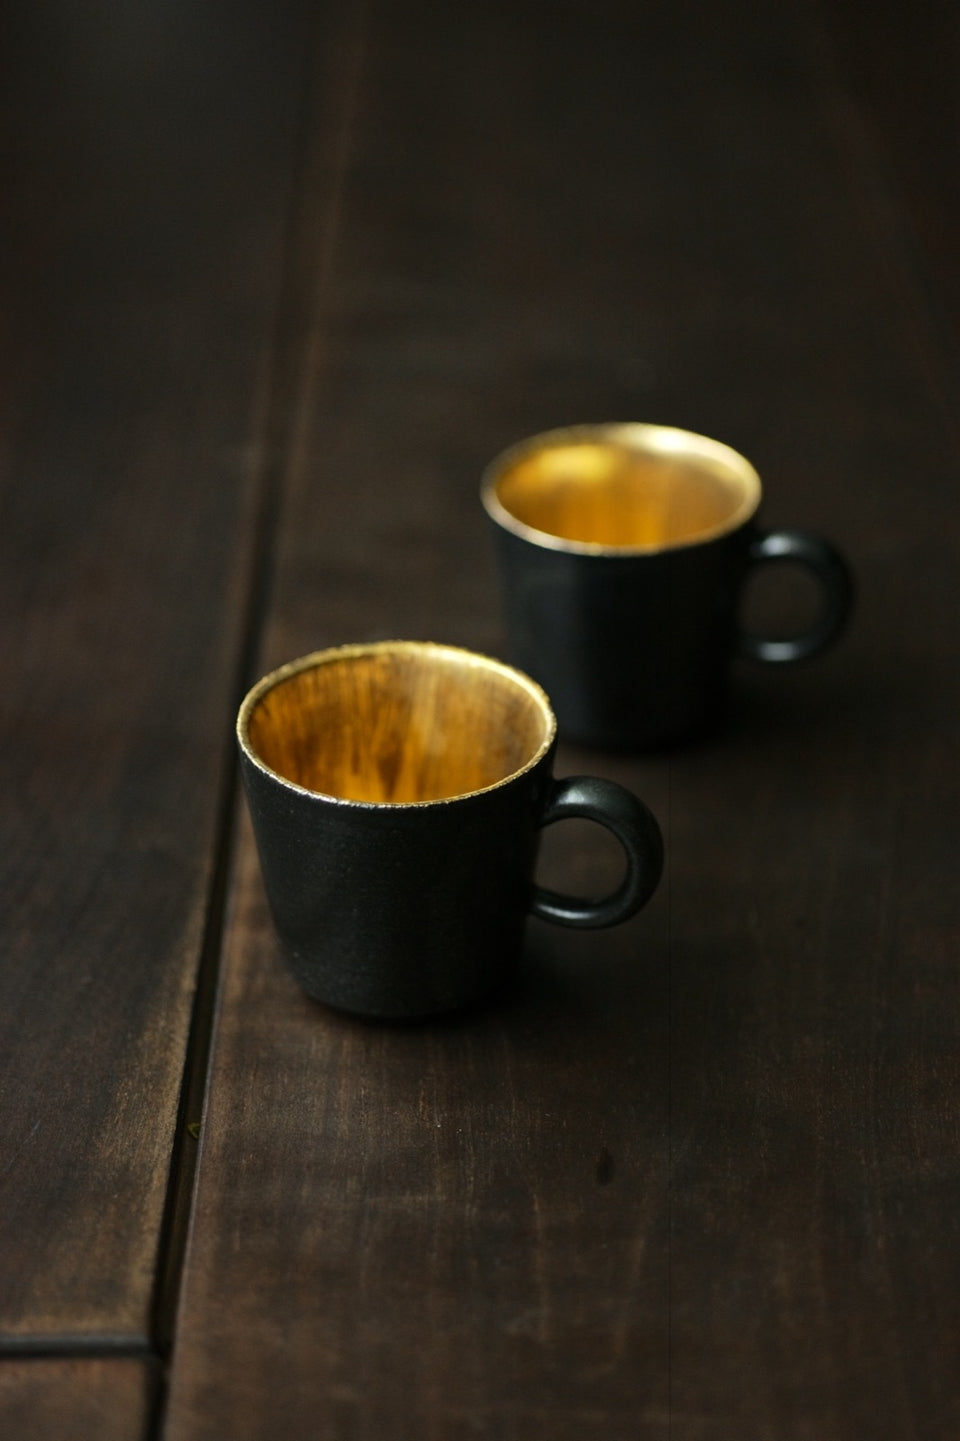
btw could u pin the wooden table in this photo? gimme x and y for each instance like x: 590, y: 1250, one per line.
x: 277, y: 281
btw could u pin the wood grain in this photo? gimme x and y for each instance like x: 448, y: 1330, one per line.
x: 415, y: 1212
x: 892, y: 77
x: 696, y: 1176
x: 93, y: 1399
x: 145, y: 180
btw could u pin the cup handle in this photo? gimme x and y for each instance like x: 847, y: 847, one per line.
x: 636, y: 830
x: 836, y: 586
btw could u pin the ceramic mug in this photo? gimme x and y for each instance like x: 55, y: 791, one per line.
x: 623, y: 550
x: 397, y: 792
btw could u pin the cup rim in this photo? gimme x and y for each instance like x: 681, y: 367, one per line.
x: 332, y: 654
x: 641, y: 435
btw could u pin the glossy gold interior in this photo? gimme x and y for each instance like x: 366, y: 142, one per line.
x: 398, y: 722
x: 621, y: 487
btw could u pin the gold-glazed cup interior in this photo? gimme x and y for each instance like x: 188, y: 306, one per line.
x: 395, y: 723
x: 620, y: 487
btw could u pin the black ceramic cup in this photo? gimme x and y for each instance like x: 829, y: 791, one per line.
x: 623, y: 550
x: 397, y: 792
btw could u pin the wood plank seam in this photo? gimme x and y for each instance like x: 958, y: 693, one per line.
x: 291, y: 359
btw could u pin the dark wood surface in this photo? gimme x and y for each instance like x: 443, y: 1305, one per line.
x: 275, y: 288
x: 78, y: 1398
x: 147, y: 169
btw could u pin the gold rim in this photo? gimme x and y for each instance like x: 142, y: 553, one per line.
x: 659, y: 441
x: 432, y: 651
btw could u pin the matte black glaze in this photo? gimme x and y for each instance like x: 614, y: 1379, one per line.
x: 404, y: 911
x: 634, y: 649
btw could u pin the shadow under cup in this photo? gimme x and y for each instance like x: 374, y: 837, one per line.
x: 623, y: 551
x: 397, y: 791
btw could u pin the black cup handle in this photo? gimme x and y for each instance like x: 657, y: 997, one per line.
x: 636, y: 830
x: 836, y: 586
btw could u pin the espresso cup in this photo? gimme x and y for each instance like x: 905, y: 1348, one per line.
x: 397, y: 792
x: 623, y: 551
